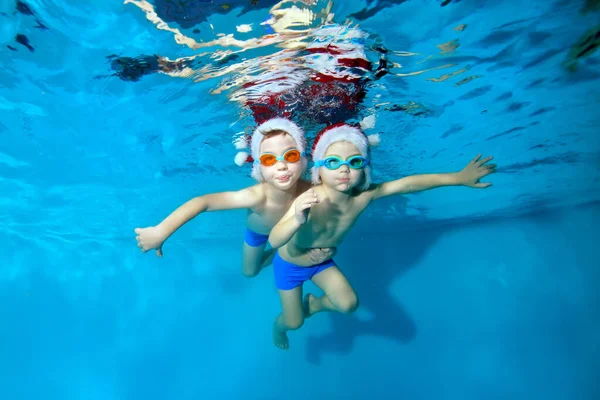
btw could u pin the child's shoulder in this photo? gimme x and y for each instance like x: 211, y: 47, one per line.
x: 253, y: 196
x: 257, y: 190
x: 368, y: 191
x: 364, y: 195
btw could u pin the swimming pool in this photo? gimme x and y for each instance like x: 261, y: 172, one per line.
x: 464, y: 293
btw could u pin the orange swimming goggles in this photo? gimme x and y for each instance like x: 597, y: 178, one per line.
x: 290, y: 156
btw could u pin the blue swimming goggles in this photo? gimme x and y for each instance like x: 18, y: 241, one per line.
x: 334, y: 162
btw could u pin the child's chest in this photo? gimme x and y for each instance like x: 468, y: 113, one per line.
x: 328, y: 224
x: 267, y: 215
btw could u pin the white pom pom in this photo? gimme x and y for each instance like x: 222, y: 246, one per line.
x: 241, y: 143
x: 367, y: 122
x: 241, y: 158
x: 374, y: 140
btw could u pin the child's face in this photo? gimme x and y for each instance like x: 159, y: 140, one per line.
x: 344, y: 178
x: 283, y: 175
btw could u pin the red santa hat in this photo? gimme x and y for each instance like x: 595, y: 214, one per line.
x: 254, y: 141
x: 343, y: 132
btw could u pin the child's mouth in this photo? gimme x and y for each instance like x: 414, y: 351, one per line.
x: 285, y: 178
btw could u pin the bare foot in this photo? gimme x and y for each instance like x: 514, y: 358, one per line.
x: 309, y: 299
x: 280, y: 338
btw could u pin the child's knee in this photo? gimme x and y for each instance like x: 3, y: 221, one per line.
x: 249, y: 273
x: 348, y: 303
x: 250, y: 270
x: 293, y: 323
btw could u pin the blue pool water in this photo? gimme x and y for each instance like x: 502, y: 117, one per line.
x: 465, y: 294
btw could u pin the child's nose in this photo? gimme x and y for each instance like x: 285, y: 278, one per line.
x: 281, y: 166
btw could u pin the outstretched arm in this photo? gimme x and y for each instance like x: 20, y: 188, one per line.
x: 476, y: 169
x: 153, y: 237
x: 293, y: 219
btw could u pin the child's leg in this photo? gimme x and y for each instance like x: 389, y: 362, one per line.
x: 253, y: 259
x: 267, y: 258
x: 291, y: 318
x: 339, y: 294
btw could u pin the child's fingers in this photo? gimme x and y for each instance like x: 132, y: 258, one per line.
x: 483, y: 185
x: 473, y: 161
x: 310, y: 198
x: 485, y: 172
x: 159, y: 252
x: 326, y: 252
x: 314, y: 256
x: 313, y: 200
x: 306, y: 201
x: 307, y: 205
x: 481, y: 162
x: 303, y: 197
x: 310, y: 193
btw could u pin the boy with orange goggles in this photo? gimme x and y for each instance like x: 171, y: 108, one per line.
x: 277, y: 149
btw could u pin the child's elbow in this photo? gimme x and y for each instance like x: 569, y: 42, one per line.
x: 275, y: 240
x: 274, y: 243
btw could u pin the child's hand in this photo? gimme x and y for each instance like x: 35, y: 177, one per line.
x: 303, y: 203
x: 150, y: 238
x: 319, y: 255
x: 474, y: 171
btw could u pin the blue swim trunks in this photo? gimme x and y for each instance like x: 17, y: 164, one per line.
x: 255, y: 239
x: 289, y: 276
